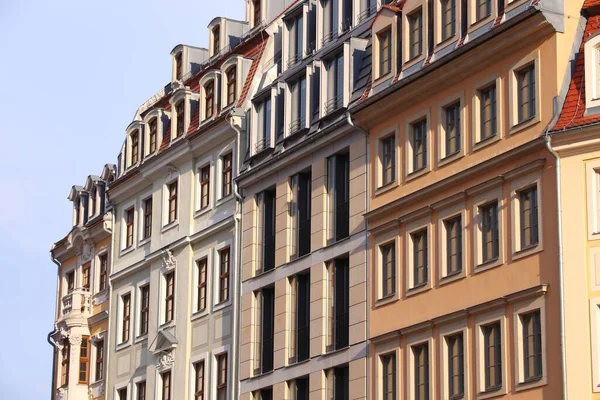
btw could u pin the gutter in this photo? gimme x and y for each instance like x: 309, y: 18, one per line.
x: 49, y: 339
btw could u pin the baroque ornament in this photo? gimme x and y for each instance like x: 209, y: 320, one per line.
x: 169, y: 261
x: 165, y: 360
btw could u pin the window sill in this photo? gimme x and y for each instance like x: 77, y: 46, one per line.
x: 221, y: 305
x: 224, y: 200
x: 207, y: 120
x: 423, y: 287
x: 417, y: 173
x: 479, y: 23
x: 170, y: 226
x: 145, y: 241
x: 413, y: 61
x: 386, y: 188
x: 141, y: 338
x: 127, y: 250
x: 100, y: 297
x: 292, y: 362
x: 527, y: 123
x: 167, y: 325
x: 446, y: 42
x: 450, y: 158
x: 122, y: 346
x: 495, y: 391
x: 331, y: 352
x: 486, y: 142
x: 383, y: 301
x: 531, y: 383
x: 496, y: 262
x: 527, y: 251
x: 453, y: 276
x: 333, y: 242
x: 199, y: 314
x: 202, y: 211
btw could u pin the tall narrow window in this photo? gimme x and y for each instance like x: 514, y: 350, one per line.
x: 147, y: 217
x: 532, y: 345
x: 199, y: 380
x: 103, y: 278
x: 299, y: 343
x: 338, y: 304
x: 99, y: 360
x: 257, y: 12
x: 172, y: 189
x: 528, y: 203
x: 222, y: 376
x: 227, y: 175
x: 263, y: 137
x: 337, y: 383
x: 122, y: 393
x: 452, y: 128
x: 231, y: 85
x: 456, y: 368
x: 70, y: 277
x: 144, y: 308
x: 202, y: 266
x: 298, y: 95
x: 224, y: 268
x: 209, y: 100
x: 421, y: 371
x: 178, y: 66
x: 385, y: 51
x: 419, y: 144
x: 388, y: 269
x: 300, y: 389
x: 180, y: 118
x: 85, y: 276
x: 204, y: 186
x: 216, y: 39
x: 330, y: 21
x: 266, y: 227
x: 153, y: 132
x: 265, y: 324
x: 141, y: 390
x: 125, y: 321
x: 493, y: 356
x: 420, y: 258
x: 299, y: 209
x: 129, y: 227
x: 169, y: 296
x: 296, y: 38
x: 338, y: 193
x: 388, y: 376
x: 64, y: 353
x: 483, y: 8
x: 453, y: 228
x: 84, y: 359
x: 448, y: 19
x: 489, y: 232
x: 415, y: 33
x: 166, y: 385
x: 335, y: 83
x: 93, y: 197
x: 388, y: 160
x: 77, y: 209
x: 135, y: 147
x: 526, y: 93
x: 488, y: 112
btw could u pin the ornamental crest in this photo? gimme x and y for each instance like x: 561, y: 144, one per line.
x: 169, y: 261
x: 165, y: 361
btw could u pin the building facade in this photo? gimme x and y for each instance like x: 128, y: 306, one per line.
x: 83, y: 258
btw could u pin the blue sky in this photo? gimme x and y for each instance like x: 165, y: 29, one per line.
x: 72, y: 75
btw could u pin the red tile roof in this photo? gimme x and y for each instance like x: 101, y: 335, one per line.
x: 394, y: 6
x: 252, y: 72
x: 591, y: 3
x: 572, y: 113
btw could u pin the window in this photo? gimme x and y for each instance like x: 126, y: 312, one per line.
x: 77, y: 209
x: 209, y: 100
x: 299, y: 209
x: 257, y: 12
x: 166, y: 385
x: 421, y: 371
x: 70, y: 276
x: 263, y: 139
x: 492, y: 356
x: 385, y: 51
x: 141, y: 390
x: 172, y: 190
x: 338, y: 304
x: 224, y: 268
x: 199, y: 380
x: 122, y: 393
x: 169, y: 296
x: 448, y: 19
x: 216, y: 39
x: 103, y: 281
x: 338, y: 197
x: 280, y: 116
x: 202, y: 266
x: 528, y: 204
x: 147, y: 218
x: 222, y: 376
x: 418, y: 143
x: 388, y: 269
x: 388, y: 376
x: 85, y: 276
x: 265, y: 324
x: 299, y: 389
x: 178, y: 66
x: 532, y: 345
x: 296, y: 39
x: 144, y: 308
x: 135, y: 147
x: 204, y: 186
x: 456, y: 367
x: 265, y: 202
x: 64, y: 354
x: 388, y: 160
x: 488, y: 112
x: 126, y: 316
x: 483, y: 9
x: 226, y: 175
x: 129, y: 228
x: 99, y: 360
x: 315, y: 89
x: 489, y: 227
x: 180, y: 118
x: 84, y: 359
x: 299, y: 343
x: 452, y: 128
x: 330, y: 21
x: 526, y: 93
x: 298, y: 103
x: 337, y: 383
x: 453, y: 227
x: 415, y: 33
x: 335, y: 83
x: 265, y: 394
x: 153, y: 131
x: 420, y: 257
x: 231, y: 84
x: 93, y: 196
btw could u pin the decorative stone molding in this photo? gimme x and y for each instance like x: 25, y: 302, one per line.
x: 96, y: 390
x: 99, y: 336
x: 165, y: 361
x: 61, y: 394
x: 88, y: 252
x: 169, y: 261
x: 172, y: 173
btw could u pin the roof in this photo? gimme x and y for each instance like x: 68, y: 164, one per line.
x: 590, y: 3
x: 572, y: 114
x: 394, y: 6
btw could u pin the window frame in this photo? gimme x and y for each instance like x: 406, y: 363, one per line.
x: 384, y: 53
x: 393, y: 160
x: 147, y: 207
x: 479, y: 141
x: 420, y: 225
x: 537, y: 304
x: 459, y: 326
x: 84, y: 360
x: 226, y: 174
x: 492, y: 193
x: 224, y: 276
x: 222, y: 382
x: 520, y: 183
x: 144, y: 310
x: 171, y: 214
x: 168, y: 300
x: 415, y: 340
x: 517, y: 124
x: 487, y: 319
x: 410, y: 157
x: 416, y: 15
x: 125, y: 325
x: 100, y: 351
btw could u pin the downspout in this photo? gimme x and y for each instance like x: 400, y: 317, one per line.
x: 53, y: 332
x: 237, y: 261
x: 561, y: 274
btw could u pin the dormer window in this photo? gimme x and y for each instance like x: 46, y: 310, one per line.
x: 135, y: 147
x: 298, y: 105
x: 93, y: 195
x: 448, y: 19
x: 231, y: 84
x: 257, y: 12
x: 178, y: 66
x: 209, y: 100
x: 180, y: 118
x: 415, y: 34
x: 592, y: 74
x: 330, y: 21
x: 216, y: 33
x: 263, y: 134
x: 335, y: 83
x: 77, y: 211
x: 296, y: 39
x: 484, y: 9
x: 152, y: 135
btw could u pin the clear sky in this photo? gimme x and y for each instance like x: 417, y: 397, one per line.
x: 72, y: 74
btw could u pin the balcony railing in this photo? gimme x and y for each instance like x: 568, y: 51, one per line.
x: 77, y: 301
x: 329, y: 37
x: 296, y: 125
x: 294, y: 59
x: 262, y: 144
x: 334, y: 103
x: 367, y: 12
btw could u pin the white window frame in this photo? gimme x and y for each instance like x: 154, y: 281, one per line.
x: 159, y: 383
x: 139, y: 127
x: 408, y: 144
x: 142, y: 213
x: 592, y: 74
x: 206, y: 161
x: 489, y: 196
x: 481, y: 321
x: 193, y: 360
x: 450, y: 329
x: 417, y: 339
x: 414, y: 227
x: 215, y: 281
x: 134, y: 385
x: 122, y: 385
x: 215, y: 77
x: 96, y: 273
x: 592, y: 172
x: 65, y: 290
x: 476, y: 139
x: 230, y: 148
x: 163, y: 294
x: 238, y: 62
x: 516, y: 187
x: 120, y: 310
x: 166, y: 225
x: 519, y: 309
x: 138, y: 308
x: 442, y: 157
x: 438, y: 28
x: 385, y: 348
x: 531, y: 59
x: 445, y: 214
x: 186, y: 96
x: 208, y: 255
x: 406, y: 13
x: 213, y: 367
x: 123, y: 220
x: 256, y: 128
x: 158, y: 114
x: 93, y: 357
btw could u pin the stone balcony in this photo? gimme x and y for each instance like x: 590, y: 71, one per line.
x: 76, y: 305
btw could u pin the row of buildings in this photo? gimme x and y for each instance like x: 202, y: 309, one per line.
x: 349, y: 199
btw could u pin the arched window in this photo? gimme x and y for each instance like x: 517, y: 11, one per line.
x: 135, y: 147
x: 216, y: 39
x: 178, y: 66
x: 180, y: 117
x: 152, y: 135
x: 231, y: 85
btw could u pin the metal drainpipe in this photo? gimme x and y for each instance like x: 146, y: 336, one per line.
x: 237, y: 263
x: 561, y: 274
x: 367, y: 280
x: 49, y: 337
